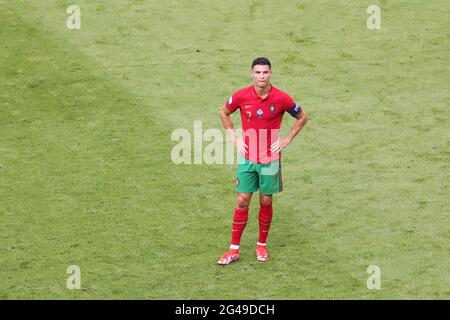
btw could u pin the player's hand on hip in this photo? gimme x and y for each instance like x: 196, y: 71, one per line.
x: 279, y: 145
x: 240, y: 145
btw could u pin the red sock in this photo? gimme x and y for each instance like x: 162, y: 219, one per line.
x: 239, y: 222
x: 265, y: 218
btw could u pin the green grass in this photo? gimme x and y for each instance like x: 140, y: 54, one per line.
x: 86, y: 176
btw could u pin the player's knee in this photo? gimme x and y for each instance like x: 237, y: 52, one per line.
x: 265, y: 200
x: 243, y: 201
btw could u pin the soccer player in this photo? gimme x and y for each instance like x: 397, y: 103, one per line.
x: 262, y: 107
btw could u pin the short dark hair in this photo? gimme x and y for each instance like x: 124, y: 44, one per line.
x: 261, y: 61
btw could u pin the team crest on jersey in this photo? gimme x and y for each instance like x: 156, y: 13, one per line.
x: 260, y: 113
x: 272, y: 108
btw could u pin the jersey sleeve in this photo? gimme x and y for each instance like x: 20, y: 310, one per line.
x: 292, y: 107
x: 233, y: 102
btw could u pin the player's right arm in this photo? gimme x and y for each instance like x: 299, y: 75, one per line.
x: 226, y: 121
x: 225, y: 117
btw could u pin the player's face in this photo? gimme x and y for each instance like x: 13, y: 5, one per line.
x: 261, y: 75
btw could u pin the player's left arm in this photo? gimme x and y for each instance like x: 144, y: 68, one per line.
x: 301, y: 119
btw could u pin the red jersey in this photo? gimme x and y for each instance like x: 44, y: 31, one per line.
x: 261, y: 120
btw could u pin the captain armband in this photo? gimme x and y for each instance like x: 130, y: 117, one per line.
x: 295, y: 110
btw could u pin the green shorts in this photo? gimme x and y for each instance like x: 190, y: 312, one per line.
x: 252, y: 176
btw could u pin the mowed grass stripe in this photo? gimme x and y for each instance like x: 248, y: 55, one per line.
x: 83, y: 172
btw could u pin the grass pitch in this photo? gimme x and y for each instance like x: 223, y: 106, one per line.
x: 86, y: 176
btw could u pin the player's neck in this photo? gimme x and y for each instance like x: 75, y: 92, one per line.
x: 262, y: 92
